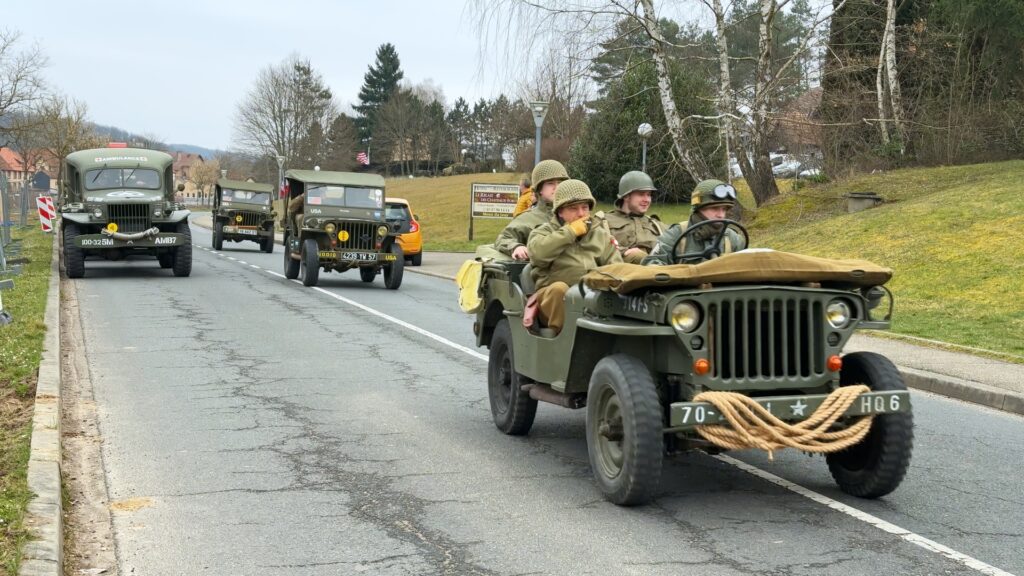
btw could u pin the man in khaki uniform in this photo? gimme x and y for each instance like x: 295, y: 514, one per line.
x: 711, y: 200
x: 512, y: 240
x: 634, y: 231
x: 565, y: 249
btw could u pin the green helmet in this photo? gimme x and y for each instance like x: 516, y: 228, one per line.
x: 633, y: 181
x: 572, y: 191
x: 548, y: 170
x: 712, y: 193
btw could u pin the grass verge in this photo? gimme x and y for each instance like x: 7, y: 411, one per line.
x: 21, y: 346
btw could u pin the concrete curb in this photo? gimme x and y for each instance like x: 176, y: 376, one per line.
x: 44, y: 554
x: 965, y: 390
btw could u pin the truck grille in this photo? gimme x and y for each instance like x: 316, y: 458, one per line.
x: 249, y: 219
x: 774, y: 337
x: 130, y: 218
x: 361, y: 235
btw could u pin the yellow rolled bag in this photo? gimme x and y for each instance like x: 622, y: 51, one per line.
x: 468, y: 279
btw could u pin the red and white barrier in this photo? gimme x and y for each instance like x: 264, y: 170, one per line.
x: 47, y: 213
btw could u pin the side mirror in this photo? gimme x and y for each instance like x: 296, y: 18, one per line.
x: 181, y: 186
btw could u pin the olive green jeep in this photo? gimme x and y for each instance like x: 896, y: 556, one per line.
x: 116, y: 202
x: 643, y: 346
x: 242, y: 211
x: 336, y: 221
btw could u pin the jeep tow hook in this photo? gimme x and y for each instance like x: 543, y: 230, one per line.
x: 136, y: 236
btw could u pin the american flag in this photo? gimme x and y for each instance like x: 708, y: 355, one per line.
x: 363, y: 159
x: 284, y: 190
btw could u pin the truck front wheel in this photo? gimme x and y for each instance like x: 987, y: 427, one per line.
x: 876, y: 466
x: 74, y: 258
x: 624, y: 430
x: 183, y: 254
x: 512, y: 409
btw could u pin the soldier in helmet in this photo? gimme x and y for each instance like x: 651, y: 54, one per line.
x: 564, y: 249
x: 512, y: 240
x: 711, y: 200
x: 634, y: 231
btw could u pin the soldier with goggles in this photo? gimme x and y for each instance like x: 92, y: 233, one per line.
x: 711, y: 200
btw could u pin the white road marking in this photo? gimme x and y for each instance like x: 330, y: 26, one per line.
x: 882, y: 525
x: 243, y: 262
x: 254, y: 266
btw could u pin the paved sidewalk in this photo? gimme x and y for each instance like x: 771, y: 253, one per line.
x: 961, y: 375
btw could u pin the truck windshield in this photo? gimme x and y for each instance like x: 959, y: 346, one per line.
x: 246, y: 196
x: 345, y: 196
x: 122, y: 178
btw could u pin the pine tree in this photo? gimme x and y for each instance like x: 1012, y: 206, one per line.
x: 379, y: 84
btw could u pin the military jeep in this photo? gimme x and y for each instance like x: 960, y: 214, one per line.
x: 336, y: 221
x: 242, y: 211
x: 640, y: 343
x: 119, y: 201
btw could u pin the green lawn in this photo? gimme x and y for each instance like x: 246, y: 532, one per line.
x: 954, y: 237
x: 21, y: 345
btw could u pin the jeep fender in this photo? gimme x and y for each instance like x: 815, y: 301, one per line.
x: 178, y: 215
x: 76, y: 217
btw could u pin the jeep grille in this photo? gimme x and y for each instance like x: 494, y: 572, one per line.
x: 765, y: 338
x: 130, y: 218
x: 362, y: 235
x: 250, y: 219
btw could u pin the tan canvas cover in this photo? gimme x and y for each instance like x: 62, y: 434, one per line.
x: 746, y: 266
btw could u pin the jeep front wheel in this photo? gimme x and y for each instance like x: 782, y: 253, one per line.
x: 875, y: 466
x: 218, y: 235
x: 624, y: 430
x: 309, y: 267
x: 291, y: 265
x: 268, y: 243
x: 512, y: 408
x: 183, y: 254
x: 393, y: 272
x: 367, y: 273
x: 74, y: 258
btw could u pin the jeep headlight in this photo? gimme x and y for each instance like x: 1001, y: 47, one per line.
x: 97, y: 213
x: 330, y: 227
x: 838, y: 313
x: 382, y: 231
x: 685, y: 316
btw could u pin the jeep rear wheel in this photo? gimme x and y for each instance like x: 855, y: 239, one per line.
x: 877, y: 465
x: 267, y: 245
x: 183, y: 254
x: 74, y: 259
x: 512, y: 408
x: 367, y: 273
x: 393, y: 272
x: 291, y: 265
x: 218, y: 235
x: 309, y: 266
x: 624, y: 430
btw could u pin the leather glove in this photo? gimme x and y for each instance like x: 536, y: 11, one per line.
x: 579, y: 227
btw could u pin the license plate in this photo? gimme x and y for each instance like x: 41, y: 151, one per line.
x: 327, y: 255
x: 793, y: 408
x: 361, y: 256
x: 240, y: 230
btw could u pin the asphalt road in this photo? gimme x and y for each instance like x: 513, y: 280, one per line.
x: 254, y: 426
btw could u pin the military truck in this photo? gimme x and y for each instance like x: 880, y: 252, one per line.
x: 242, y: 212
x: 120, y: 201
x: 642, y: 346
x: 336, y: 221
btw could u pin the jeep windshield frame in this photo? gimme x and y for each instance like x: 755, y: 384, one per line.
x: 245, y: 196
x: 345, y: 196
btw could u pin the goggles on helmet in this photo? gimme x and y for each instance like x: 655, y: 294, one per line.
x: 723, y: 191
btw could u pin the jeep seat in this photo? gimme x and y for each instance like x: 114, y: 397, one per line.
x: 526, y: 280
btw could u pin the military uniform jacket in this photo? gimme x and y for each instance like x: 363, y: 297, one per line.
x: 633, y: 231
x: 691, y: 248
x: 518, y: 230
x: 557, y: 255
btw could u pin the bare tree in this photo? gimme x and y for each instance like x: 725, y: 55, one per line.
x: 203, y: 176
x: 21, y: 82
x: 64, y: 128
x: 285, y: 101
x: 887, y: 72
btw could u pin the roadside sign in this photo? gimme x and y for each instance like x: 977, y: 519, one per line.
x: 491, y: 201
x: 46, y: 213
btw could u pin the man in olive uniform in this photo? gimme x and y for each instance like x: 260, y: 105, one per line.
x: 711, y: 200
x: 294, y: 211
x: 512, y: 240
x: 564, y: 249
x: 634, y: 231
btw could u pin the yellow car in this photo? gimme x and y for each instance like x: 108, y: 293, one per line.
x: 412, y: 241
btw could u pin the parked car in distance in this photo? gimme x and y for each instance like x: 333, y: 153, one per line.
x: 411, y: 241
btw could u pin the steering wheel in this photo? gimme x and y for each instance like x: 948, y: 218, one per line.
x: 715, y: 249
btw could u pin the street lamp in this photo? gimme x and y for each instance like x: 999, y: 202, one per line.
x: 280, y: 171
x: 539, y: 109
x: 644, y: 130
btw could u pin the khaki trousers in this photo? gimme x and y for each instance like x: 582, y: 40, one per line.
x: 551, y: 304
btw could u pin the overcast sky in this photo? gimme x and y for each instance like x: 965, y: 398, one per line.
x: 177, y: 70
